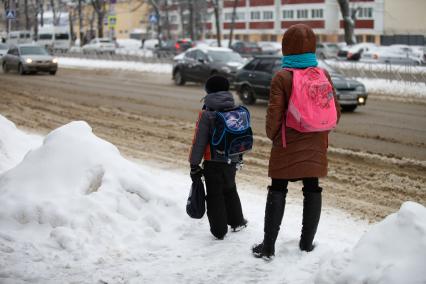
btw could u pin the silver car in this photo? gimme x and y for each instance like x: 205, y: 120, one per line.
x: 29, y: 58
x: 3, y: 49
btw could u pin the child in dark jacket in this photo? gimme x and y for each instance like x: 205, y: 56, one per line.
x: 223, y: 202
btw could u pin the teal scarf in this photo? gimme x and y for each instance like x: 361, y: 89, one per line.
x: 299, y: 61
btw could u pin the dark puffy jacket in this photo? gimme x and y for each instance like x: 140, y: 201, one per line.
x: 205, y: 124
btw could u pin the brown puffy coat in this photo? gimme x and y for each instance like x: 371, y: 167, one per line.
x: 306, y: 153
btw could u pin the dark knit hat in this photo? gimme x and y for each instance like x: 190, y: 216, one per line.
x: 216, y: 83
x: 298, y: 39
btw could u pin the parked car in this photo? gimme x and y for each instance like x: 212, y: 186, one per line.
x: 270, y: 47
x: 19, y: 37
x: 326, y: 50
x: 355, y: 51
x: 253, y: 82
x: 3, y: 49
x: 399, y: 54
x: 342, y: 54
x: 173, y: 47
x: 245, y: 48
x: 99, y: 45
x: 197, y: 64
x: 29, y: 58
x: 55, y: 38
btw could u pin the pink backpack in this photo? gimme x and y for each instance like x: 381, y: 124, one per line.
x: 311, y: 107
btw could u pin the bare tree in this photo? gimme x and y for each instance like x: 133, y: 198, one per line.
x: 349, y: 18
x: 231, y: 32
x: 216, y: 15
x: 99, y: 6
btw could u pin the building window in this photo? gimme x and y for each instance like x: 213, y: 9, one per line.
x: 240, y: 16
x: 268, y: 15
x: 317, y: 13
x: 364, y: 13
x: 288, y: 14
x: 371, y: 38
x: 302, y: 14
x: 255, y: 15
x: 173, y: 18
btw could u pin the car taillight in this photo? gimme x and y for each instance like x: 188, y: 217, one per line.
x: 177, y: 45
x: 350, y: 54
x: 375, y: 56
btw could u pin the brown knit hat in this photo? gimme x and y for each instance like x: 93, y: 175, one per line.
x: 299, y: 39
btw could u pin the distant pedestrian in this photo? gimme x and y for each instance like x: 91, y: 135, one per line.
x: 296, y: 155
x: 219, y: 169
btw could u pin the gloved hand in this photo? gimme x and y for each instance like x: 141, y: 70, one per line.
x: 196, y: 172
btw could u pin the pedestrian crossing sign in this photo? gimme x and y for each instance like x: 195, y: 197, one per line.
x: 10, y: 14
x: 112, y: 22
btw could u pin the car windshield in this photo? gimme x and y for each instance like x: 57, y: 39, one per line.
x: 62, y: 36
x: 250, y: 44
x: 45, y: 36
x: 105, y: 41
x: 333, y: 46
x: 225, y: 56
x: 33, y: 50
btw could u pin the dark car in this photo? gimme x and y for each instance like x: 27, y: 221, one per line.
x: 173, y: 47
x: 245, y: 48
x: 254, y: 79
x: 197, y: 64
x: 29, y: 58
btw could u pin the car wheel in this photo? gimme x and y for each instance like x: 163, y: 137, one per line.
x: 179, y: 80
x: 21, y: 69
x: 53, y: 73
x: 5, y: 69
x: 247, y: 96
x: 349, y: 108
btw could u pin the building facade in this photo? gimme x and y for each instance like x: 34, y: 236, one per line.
x: 268, y: 19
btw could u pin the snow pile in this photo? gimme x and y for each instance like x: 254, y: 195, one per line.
x: 65, y: 62
x: 394, y: 88
x: 392, y: 252
x: 14, y: 144
x: 77, y: 195
x: 373, y: 66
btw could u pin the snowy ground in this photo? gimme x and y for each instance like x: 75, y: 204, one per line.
x: 394, y: 88
x: 75, y: 211
x: 377, y: 67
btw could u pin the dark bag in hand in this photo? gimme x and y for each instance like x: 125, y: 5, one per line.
x: 196, y: 205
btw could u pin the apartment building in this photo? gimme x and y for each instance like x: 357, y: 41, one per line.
x: 268, y: 19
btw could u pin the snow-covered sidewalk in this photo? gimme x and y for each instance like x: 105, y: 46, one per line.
x: 73, y: 210
x: 82, y: 63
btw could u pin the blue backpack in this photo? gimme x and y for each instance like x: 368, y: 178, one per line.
x: 232, y: 135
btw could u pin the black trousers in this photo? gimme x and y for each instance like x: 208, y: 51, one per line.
x: 308, y: 183
x: 223, y: 202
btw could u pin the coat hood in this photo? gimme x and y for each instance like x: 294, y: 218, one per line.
x: 219, y: 101
x: 299, y: 39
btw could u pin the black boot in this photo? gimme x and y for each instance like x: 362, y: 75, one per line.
x: 311, y: 217
x: 274, y: 211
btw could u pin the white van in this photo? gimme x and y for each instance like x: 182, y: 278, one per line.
x: 19, y: 37
x: 54, y: 38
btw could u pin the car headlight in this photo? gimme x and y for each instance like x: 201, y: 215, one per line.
x: 29, y: 60
x: 55, y: 60
x: 226, y: 69
x: 360, y: 88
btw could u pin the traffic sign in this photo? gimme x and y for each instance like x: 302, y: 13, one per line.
x: 153, y: 19
x: 112, y: 22
x: 10, y: 14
